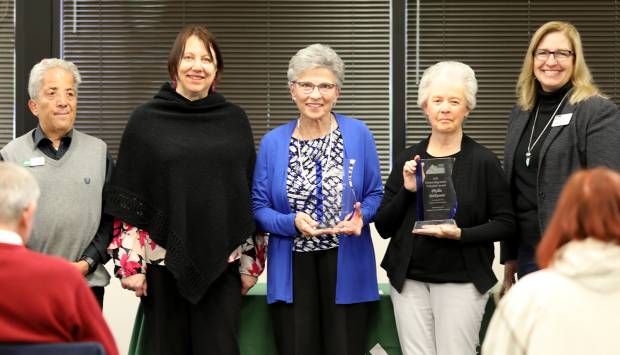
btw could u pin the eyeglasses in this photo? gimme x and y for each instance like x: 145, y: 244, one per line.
x: 560, y: 54
x: 308, y: 87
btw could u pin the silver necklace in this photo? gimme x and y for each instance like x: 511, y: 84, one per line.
x: 530, y: 145
x: 299, y: 156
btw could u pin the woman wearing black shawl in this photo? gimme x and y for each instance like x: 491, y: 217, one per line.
x: 181, y: 198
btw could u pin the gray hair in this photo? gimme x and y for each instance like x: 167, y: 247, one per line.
x: 38, y: 72
x: 316, y: 56
x: 455, y: 71
x: 18, y: 189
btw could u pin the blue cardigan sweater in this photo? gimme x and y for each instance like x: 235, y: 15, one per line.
x: 357, y: 278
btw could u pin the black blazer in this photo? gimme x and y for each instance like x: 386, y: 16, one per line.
x: 484, y: 213
x: 591, y: 138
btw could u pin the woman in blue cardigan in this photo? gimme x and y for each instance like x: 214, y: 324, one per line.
x: 317, y: 185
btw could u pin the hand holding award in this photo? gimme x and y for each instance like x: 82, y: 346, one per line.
x: 436, y: 199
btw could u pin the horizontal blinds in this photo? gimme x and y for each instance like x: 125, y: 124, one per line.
x: 492, y: 37
x: 7, y: 70
x: 121, y: 49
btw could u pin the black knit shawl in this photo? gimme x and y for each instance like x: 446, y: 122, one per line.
x: 184, y: 174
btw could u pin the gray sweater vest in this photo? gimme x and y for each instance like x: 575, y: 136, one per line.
x: 69, y: 209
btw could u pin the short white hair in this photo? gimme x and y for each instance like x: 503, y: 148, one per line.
x: 38, y: 72
x: 18, y: 189
x: 316, y: 56
x: 456, y: 72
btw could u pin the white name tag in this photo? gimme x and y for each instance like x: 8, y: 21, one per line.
x: 35, y: 161
x: 562, y: 120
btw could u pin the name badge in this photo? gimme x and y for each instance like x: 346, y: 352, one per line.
x: 562, y: 120
x: 35, y: 161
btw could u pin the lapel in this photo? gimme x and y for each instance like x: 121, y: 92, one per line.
x: 518, y: 125
x: 554, y: 132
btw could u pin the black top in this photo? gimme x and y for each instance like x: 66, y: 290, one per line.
x: 484, y: 215
x: 97, y: 249
x: 46, y: 145
x: 428, y: 262
x: 524, y: 183
x: 184, y: 174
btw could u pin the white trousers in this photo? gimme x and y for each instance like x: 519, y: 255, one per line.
x: 438, y: 319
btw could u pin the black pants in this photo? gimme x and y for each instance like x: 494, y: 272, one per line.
x: 176, y: 326
x: 98, y: 291
x: 314, y: 324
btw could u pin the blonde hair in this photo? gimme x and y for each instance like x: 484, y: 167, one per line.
x: 583, y: 85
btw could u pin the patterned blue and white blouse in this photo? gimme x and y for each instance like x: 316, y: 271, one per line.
x: 314, y: 185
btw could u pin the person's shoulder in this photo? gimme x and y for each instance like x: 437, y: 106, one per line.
x: 88, y: 137
x: 516, y: 109
x: 144, y: 108
x: 49, y: 267
x: 140, y: 115
x: 20, y: 139
x: 12, y: 148
x: 597, y: 102
x: 540, y: 285
x: 411, y: 151
x: 280, y: 132
x: 352, y: 123
x: 234, y: 108
x: 480, y: 151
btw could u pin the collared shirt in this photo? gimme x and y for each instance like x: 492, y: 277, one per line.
x: 9, y: 237
x: 46, y: 146
x: 97, y: 249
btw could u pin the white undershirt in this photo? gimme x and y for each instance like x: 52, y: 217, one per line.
x: 9, y: 237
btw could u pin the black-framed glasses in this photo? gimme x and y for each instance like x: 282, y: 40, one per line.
x: 560, y: 54
x: 308, y: 87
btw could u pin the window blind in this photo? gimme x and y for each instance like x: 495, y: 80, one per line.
x: 492, y: 37
x: 121, y: 49
x: 7, y: 70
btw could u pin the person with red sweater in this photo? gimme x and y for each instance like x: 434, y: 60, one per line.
x: 44, y: 298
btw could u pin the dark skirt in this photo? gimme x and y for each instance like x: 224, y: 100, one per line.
x: 314, y: 324
x: 176, y: 326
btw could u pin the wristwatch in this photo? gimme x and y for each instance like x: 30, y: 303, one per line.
x: 91, y: 263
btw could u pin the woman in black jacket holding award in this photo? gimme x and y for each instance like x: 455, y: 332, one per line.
x: 441, y: 274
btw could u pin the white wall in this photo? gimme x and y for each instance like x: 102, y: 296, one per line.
x: 119, y: 309
x: 120, y: 305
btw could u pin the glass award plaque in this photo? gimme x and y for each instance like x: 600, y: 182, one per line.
x: 435, y: 197
x: 348, y: 199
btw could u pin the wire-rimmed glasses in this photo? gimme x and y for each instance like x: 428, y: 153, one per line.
x: 307, y: 87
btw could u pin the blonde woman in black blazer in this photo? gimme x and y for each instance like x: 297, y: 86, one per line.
x: 561, y: 123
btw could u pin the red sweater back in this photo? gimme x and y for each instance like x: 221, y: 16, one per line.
x: 44, y: 299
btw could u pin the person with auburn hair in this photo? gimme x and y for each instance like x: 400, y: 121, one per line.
x: 181, y: 199
x: 561, y: 123
x: 572, y: 305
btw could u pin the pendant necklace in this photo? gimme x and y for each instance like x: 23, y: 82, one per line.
x: 531, y: 145
x: 329, y: 150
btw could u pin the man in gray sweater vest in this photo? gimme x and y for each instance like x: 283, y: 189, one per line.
x: 71, y: 168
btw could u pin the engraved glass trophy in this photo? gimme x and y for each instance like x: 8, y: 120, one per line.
x: 347, y: 201
x: 435, y: 197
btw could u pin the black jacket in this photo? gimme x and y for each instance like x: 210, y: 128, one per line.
x: 484, y: 213
x: 590, y: 139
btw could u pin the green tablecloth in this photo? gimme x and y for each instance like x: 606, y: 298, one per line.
x: 256, y: 337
